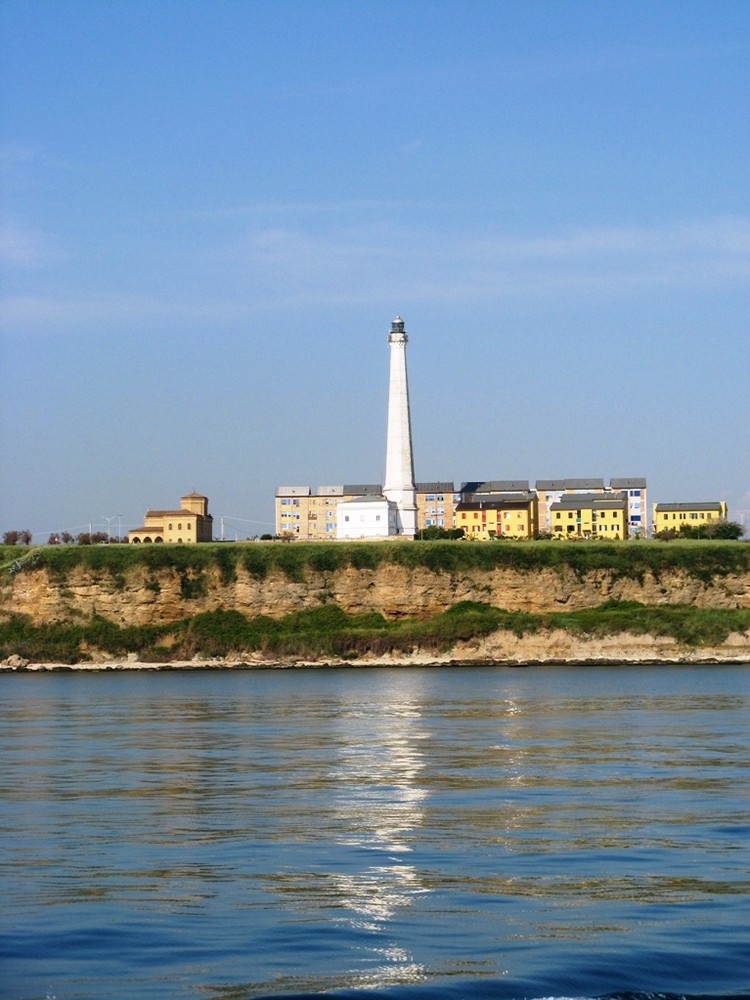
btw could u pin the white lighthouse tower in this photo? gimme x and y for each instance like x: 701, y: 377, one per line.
x: 399, y: 462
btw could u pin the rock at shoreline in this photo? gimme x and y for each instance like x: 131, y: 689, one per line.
x: 15, y: 662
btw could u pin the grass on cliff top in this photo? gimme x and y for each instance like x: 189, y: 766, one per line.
x: 327, y: 631
x: 632, y: 560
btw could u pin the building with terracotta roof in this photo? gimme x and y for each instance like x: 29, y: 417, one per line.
x: 190, y: 523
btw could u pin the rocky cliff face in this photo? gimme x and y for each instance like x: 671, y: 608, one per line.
x: 141, y: 596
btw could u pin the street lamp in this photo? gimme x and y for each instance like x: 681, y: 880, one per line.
x: 109, y: 521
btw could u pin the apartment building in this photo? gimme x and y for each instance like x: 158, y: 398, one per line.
x: 635, y: 488
x: 552, y: 491
x: 436, y: 503
x: 519, y: 511
x: 306, y: 516
x: 590, y: 515
x: 675, y: 515
x: 498, y: 515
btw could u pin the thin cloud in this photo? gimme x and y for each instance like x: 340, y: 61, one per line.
x: 23, y: 248
x: 286, y: 266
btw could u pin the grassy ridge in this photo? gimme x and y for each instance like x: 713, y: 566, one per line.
x: 703, y: 559
x: 328, y: 631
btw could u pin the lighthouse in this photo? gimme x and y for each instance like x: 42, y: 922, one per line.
x: 399, y: 462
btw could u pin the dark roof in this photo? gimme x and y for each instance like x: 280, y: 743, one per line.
x: 584, y: 484
x: 363, y: 489
x: 496, y: 486
x: 494, y: 501
x: 637, y: 483
x: 550, y: 484
x: 437, y: 487
x: 710, y: 505
x: 572, y: 501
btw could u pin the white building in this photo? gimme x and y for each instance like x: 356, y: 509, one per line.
x: 366, y: 517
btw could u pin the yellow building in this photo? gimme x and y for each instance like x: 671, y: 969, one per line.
x: 673, y: 516
x: 499, y: 515
x: 589, y: 515
x: 191, y: 523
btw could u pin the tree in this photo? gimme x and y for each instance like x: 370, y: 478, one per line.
x: 434, y: 533
x: 17, y: 537
x: 91, y: 538
x: 727, y: 530
x: 54, y: 539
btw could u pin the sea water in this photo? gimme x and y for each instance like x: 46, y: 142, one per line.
x: 391, y: 833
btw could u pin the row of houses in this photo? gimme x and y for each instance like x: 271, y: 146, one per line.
x: 563, y: 508
x: 482, y: 508
x: 568, y: 508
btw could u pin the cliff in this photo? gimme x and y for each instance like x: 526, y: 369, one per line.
x: 156, y: 587
x: 143, y: 596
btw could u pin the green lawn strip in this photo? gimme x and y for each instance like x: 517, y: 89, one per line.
x: 701, y: 559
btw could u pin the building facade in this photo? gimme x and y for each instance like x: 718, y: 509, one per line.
x: 498, y: 515
x: 590, y: 515
x: 635, y: 488
x: 370, y: 517
x: 505, y: 508
x: 676, y: 515
x: 436, y: 503
x: 307, y: 516
x: 190, y: 523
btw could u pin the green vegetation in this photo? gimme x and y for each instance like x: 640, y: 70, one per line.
x: 328, y: 632
x: 716, y: 529
x: 703, y: 559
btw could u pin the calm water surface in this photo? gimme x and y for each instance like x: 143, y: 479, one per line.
x: 409, y: 833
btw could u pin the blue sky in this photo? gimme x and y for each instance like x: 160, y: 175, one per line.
x: 212, y: 211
